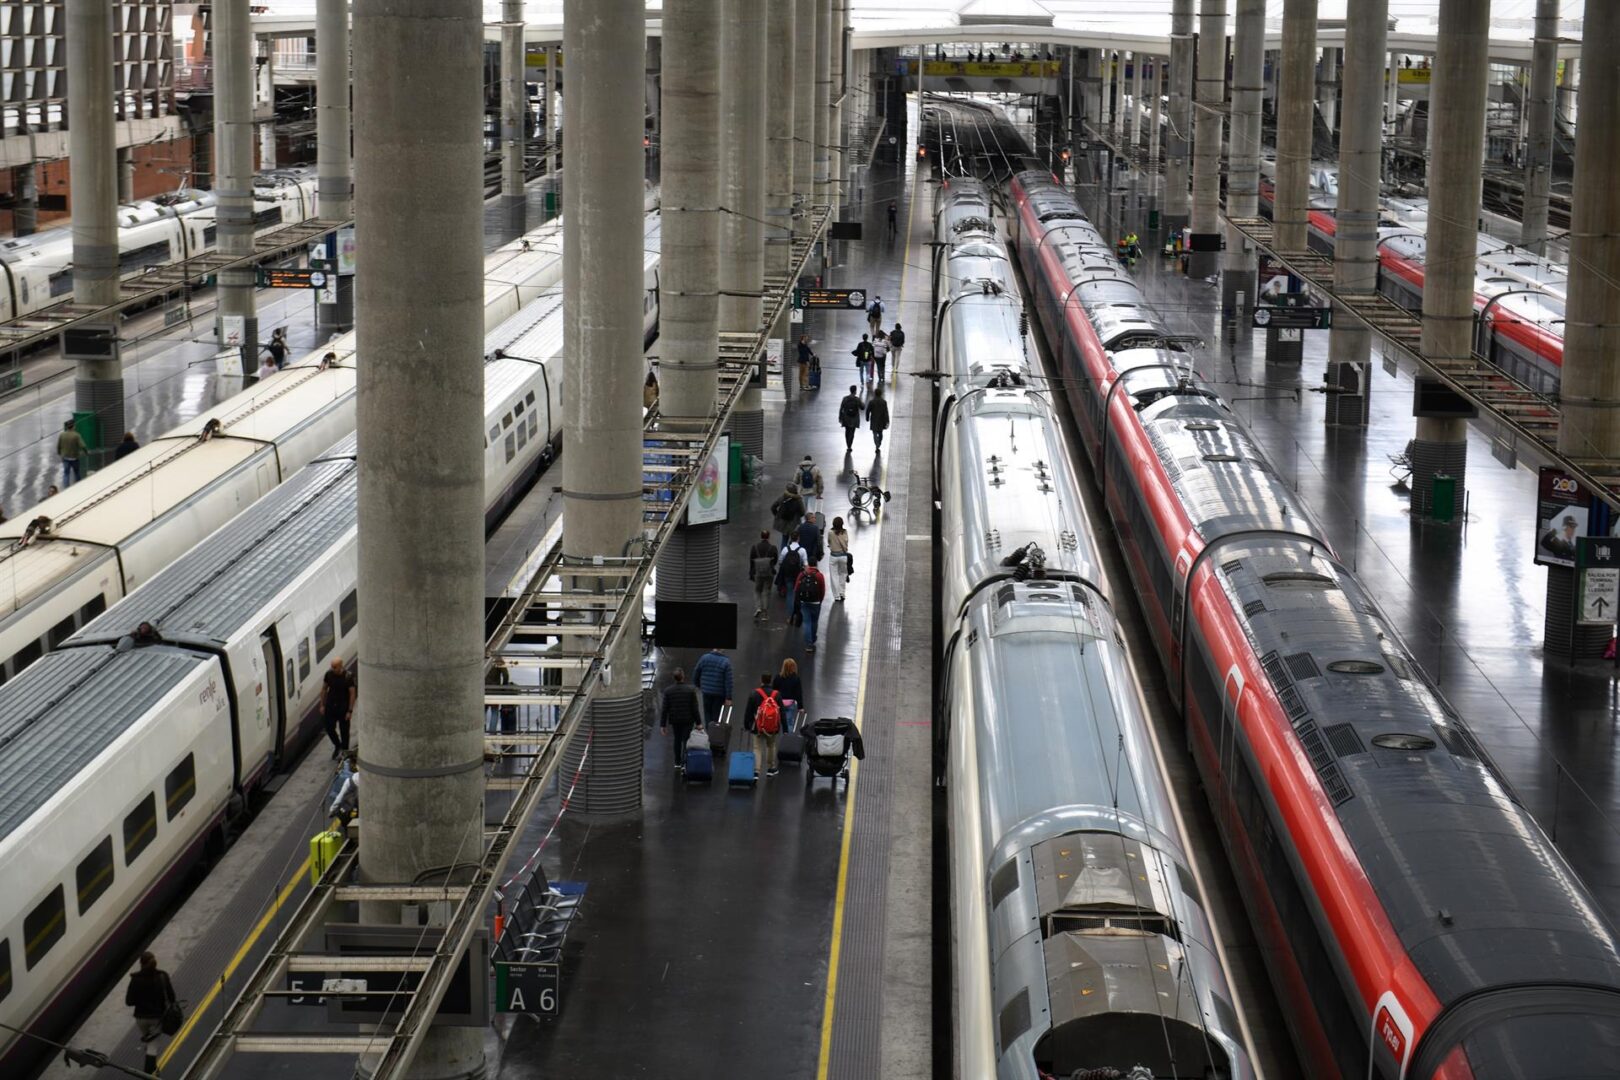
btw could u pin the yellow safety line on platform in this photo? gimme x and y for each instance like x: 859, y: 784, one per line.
x: 860, y: 714
x: 236, y: 962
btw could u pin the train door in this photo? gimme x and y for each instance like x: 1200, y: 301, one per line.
x: 275, y: 690
x: 1231, y: 708
x: 262, y: 478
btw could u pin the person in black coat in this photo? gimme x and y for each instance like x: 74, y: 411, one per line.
x: 877, y: 416
x: 789, y: 687
x: 150, y: 993
x: 849, y: 416
x: 681, y: 711
x: 127, y: 447
x: 810, y: 538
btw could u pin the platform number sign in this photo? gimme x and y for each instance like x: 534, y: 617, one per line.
x: 527, y: 988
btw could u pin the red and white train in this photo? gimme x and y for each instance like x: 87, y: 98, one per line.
x: 1415, y: 919
x: 1519, y: 297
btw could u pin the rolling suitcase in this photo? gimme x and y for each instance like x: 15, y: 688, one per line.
x: 699, y: 759
x: 790, y: 748
x: 720, y: 733
x: 740, y: 770
x: 815, y: 373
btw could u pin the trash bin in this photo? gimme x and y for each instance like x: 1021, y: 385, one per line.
x: 734, y: 466
x: 1153, y: 220
x: 551, y: 206
x: 89, y: 428
x: 1443, y: 497
x: 11, y: 378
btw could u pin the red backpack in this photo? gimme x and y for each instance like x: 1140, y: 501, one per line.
x: 768, y: 714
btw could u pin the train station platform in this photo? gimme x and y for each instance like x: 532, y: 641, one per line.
x: 1466, y: 596
x: 786, y: 929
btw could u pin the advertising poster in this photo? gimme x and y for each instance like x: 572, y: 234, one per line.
x: 711, y: 497
x: 1563, y: 510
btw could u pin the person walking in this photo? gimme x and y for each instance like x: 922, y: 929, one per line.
x: 267, y: 368
x: 680, y: 710
x: 842, y: 567
x: 763, y: 716
x: 897, y: 341
x: 805, y: 356
x: 337, y: 706
x: 849, y: 416
x: 874, y: 313
x: 880, y: 355
x: 810, y: 484
x: 809, y: 591
x: 277, y: 348
x: 150, y: 994
x: 787, y: 511
x: 71, y: 449
x: 127, y: 447
x: 863, y: 359
x: 877, y: 416
x: 809, y: 537
x: 712, y: 676
x: 789, y: 689
x: 649, y: 392
x: 894, y: 218
x: 762, y: 571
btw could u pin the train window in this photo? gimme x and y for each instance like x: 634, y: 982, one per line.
x: 325, y: 637
x: 534, y: 423
x: 44, y: 927
x: 60, y: 632
x: 511, y: 447
x: 95, y: 874
x: 522, y: 436
x: 506, y: 421
x: 149, y: 255
x: 292, y: 683
x: 529, y: 397
x: 518, y: 409
x: 303, y: 659
x: 140, y: 828
x: 22, y: 284
x: 61, y: 283
x: 96, y: 606
x: 211, y: 235
x: 349, y: 612
x: 30, y: 652
x: 265, y: 218
x: 5, y: 967
x: 494, y: 435
x: 180, y: 785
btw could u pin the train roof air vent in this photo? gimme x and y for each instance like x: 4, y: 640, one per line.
x: 1014, y: 1018
x: 1005, y: 595
x: 1004, y: 882
x: 1202, y: 425
x: 1356, y: 667
x: 1222, y: 457
x: 1344, y: 740
x: 1254, y: 607
x: 1302, y: 665
x: 1396, y: 740
x: 1230, y: 568
x: 1298, y: 579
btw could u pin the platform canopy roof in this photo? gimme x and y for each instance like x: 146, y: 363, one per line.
x: 1142, y: 25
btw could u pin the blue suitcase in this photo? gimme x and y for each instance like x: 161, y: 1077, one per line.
x: 740, y: 772
x: 699, y: 758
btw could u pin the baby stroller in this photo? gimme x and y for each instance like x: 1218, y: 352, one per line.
x: 828, y: 744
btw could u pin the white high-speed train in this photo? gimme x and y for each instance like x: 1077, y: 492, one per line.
x: 120, y: 769
x: 1080, y: 944
x: 71, y: 557
x: 37, y: 271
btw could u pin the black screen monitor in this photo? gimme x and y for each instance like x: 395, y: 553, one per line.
x: 683, y: 624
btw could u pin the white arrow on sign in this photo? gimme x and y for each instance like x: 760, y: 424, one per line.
x: 1600, y: 595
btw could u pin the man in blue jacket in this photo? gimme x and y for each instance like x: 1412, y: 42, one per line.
x: 712, y: 677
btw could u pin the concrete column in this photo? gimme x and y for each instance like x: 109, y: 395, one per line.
x: 554, y: 79
x: 514, y: 112
x: 1539, y: 145
x: 1569, y: 90
x: 1327, y: 87
x: 1392, y: 82
x: 1355, y: 267
x: 1135, y: 137
x: 1457, y: 118
x: 267, y: 95
x: 334, y: 188
x: 25, y: 212
x: 1207, y: 124
x: 126, y: 174
x: 1105, y: 114
x: 837, y: 89
x: 1243, y: 168
x: 233, y: 182
x: 822, y: 103
x: 742, y: 191
x: 1291, y: 193
x: 781, y: 24
x: 655, y: 108
x: 93, y: 191
x: 1178, y: 140
x: 602, y: 260
x: 419, y: 160
x: 1155, y: 121
x: 804, y: 100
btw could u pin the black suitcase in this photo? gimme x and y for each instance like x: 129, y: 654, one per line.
x: 790, y: 748
x: 720, y: 733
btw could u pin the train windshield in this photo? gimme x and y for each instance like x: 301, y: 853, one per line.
x: 1525, y: 1033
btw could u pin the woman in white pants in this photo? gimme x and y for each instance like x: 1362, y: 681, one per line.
x: 838, y: 548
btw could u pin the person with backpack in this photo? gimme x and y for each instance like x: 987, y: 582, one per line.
x: 788, y: 511
x: 810, y: 485
x: 849, y: 416
x: 763, y: 716
x: 789, y: 688
x: 788, y: 566
x: 151, y: 995
x: 874, y: 313
x: 897, y: 341
x: 863, y: 359
x: 880, y: 355
x: 806, y: 354
x: 762, y: 571
x: 877, y: 417
x: 680, y: 711
x: 809, y: 591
